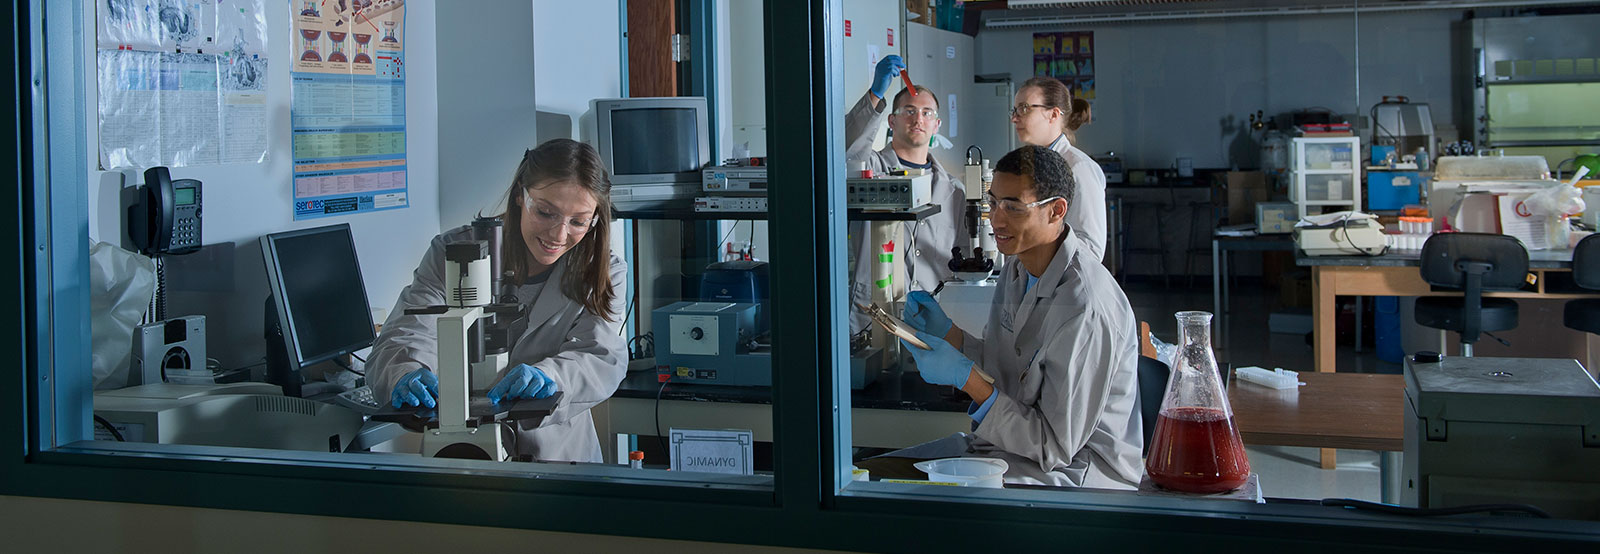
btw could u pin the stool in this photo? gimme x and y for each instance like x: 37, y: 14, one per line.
x: 1474, y: 263
x: 1203, y: 216
x: 1584, y: 315
x: 1130, y: 220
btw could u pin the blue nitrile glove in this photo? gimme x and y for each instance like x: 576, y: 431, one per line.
x: 418, y: 388
x: 523, y: 381
x: 888, y: 68
x: 924, y: 314
x: 944, y: 365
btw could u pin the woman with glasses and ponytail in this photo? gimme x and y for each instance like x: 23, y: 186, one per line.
x: 556, y: 260
x: 1046, y: 114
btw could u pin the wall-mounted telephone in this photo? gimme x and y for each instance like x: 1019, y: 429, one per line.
x: 163, y: 215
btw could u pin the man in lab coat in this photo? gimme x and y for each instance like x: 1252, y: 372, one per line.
x: 914, y: 120
x: 1061, y: 346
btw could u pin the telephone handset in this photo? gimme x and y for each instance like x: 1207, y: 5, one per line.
x: 163, y: 215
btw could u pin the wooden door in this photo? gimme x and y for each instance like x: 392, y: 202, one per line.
x: 651, y: 69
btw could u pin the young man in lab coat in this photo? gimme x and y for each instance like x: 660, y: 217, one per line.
x: 1061, y: 346
x: 914, y: 120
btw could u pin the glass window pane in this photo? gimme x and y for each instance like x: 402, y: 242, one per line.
x: 1544, y: 112
x: 524, y: 280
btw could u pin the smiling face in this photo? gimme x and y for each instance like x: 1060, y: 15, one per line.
x: 1021, y: 228
x: 1035, y: 125
x: 915, y: 130
x: 555, y: 218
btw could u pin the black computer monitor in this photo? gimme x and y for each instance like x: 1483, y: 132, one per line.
x: 318, y: 307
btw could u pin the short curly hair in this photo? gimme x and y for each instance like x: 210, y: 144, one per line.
x: 1049, y: 171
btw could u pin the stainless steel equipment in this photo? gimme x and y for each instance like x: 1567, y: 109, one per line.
x: 1502, y: 430
x: 1398, y: 122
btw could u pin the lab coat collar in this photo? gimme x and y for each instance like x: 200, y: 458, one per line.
x: 1045, y: 288
x: 550, y: 296
x: 894, y: 157
x: 1061, y: 143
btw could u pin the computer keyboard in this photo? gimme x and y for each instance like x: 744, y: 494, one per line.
x: 359, y: 399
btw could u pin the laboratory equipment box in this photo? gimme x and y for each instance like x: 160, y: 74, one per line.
x: 1502, y: 430
x: 1276, y: 218
x: 1392, y: 190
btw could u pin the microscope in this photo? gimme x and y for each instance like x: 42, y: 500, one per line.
x: 980, y: 234
x: 476, y: 332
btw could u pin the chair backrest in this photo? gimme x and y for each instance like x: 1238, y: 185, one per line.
x: 1444, y: 253
x: 1152, y: 386
x: 1586, y: 261
x: 1474, y: 263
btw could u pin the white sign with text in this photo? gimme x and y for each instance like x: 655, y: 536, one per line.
x: 713, y: 451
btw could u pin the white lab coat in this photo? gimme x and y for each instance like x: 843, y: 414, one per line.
x: 929, y: 254
x: 1063, y: 355
x: 1086, y: 213
x: 583, y: 353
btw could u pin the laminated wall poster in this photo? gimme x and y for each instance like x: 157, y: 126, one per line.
x: 348, y: 114
x: 180, y: 82
x: 1068, y: 57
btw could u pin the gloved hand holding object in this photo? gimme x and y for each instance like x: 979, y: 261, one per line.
x: 523, y: 381
x: 943, y: 364
x: 924, y: 314
x: 888, y: 68
x: 418, y: 388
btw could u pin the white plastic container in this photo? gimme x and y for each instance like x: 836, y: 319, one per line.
x: 967, y: 472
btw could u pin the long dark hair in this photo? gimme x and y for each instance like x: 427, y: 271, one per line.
x: 588, y: 280
x: 1056, y: 95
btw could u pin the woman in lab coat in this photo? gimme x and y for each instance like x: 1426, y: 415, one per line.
x: 1060, y: 344
x: 1045, y: 114
x: 556, y: 255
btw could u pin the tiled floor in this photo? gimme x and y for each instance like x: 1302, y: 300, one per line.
x: 1242, y: 339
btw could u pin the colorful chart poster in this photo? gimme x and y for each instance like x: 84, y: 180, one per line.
x: 348, y: 114
x: 1067, y: 57
x: 181, y: 83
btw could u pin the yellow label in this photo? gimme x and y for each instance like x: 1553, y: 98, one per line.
x: 685, y: 372
x: 916, y: 482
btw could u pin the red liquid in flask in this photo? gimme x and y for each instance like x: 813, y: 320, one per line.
x: 1197, y: 450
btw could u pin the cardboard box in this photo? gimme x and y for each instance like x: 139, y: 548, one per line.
x: 1245, y: 189
x: 924, y: 8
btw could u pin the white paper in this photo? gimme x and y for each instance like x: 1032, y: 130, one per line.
x: 712, y: 451
x: 872, y: 57
x: 1515, y: 220
x: 181, y: 82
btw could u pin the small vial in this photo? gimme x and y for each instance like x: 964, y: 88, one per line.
x: 636, y: 459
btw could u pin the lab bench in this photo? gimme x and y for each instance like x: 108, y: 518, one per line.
x: 897, y: 410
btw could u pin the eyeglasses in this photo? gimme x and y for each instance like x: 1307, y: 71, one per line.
x: 1013, y: 207
x: 911, y: 111
x: 1020, y: 110
x: 544, y: 218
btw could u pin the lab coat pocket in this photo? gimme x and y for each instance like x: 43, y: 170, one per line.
x: 1032, y: 383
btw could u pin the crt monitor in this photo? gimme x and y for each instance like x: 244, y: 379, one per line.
x: 646, y: 141
x: 318, y: 308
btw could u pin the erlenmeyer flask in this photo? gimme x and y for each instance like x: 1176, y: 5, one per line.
x: 1196, y: 446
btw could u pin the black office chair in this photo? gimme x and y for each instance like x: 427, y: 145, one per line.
x: 1584, y: 315
x: 1474, y: 263
x: 1152, y: 386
